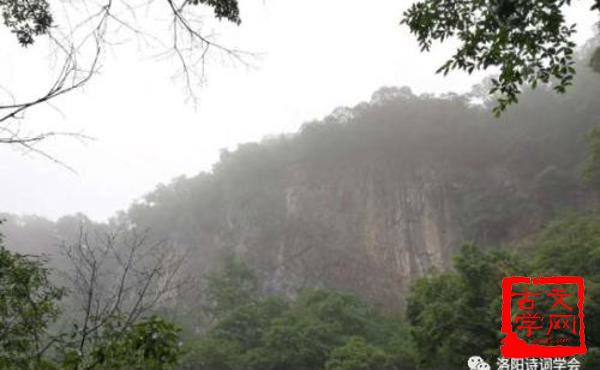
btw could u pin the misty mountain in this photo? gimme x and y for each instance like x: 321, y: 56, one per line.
x: 374, y: 195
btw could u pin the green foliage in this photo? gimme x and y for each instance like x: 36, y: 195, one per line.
x: 456, y: 314
x: 28, y: 304
x: 501, y: 174
x: 227, y: 9
x: 486, y: 169
x: 488, y: 213
x: 317, y: 322
x: 30, y: 18
x: 595, y: 60
x: 29, y: 309
x: 246, y: 325
x: 356, y: 354
x: 344, y: 313
x: 26, y: 18
x: 232, y: 286
x: 591, y: 359
x: 215, y: 353
x: 591, y: 169
x: 149, y: 344
x: 571, y: 246
x: 318, y: 329
x: 529, y: 42
x: 503, y: 177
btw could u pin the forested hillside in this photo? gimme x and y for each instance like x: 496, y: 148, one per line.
x: 340, y: 247
x: 410, y: 231
x: 375, y: 195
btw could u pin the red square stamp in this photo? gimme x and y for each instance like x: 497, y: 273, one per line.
x: 542, y: 316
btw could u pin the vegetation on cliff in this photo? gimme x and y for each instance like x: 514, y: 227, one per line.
x: 332, y: 237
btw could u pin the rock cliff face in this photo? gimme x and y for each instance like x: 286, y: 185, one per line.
x: 370, y: 228
x: 374, y: 196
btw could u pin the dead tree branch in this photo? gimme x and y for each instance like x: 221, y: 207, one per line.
x: 83, y: 34
x: 118, y: 275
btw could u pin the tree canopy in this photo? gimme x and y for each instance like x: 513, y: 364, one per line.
x: 529, y: 41
x: 33, y: 334
x: 29, y: 19
x: 318, y: 329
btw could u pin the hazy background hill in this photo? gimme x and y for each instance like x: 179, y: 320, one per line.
x: 371, y: 196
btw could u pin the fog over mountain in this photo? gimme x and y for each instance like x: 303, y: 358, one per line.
x: 147, y: 130
x: 333, y: 205
x: 374, y: 195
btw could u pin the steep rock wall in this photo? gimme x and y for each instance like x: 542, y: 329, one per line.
x: 368, y: 229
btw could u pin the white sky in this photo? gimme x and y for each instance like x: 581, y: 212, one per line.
x: 316, y: 55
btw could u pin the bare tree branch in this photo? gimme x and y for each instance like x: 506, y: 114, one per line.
x: 118, y: 274
x: 87, y: 30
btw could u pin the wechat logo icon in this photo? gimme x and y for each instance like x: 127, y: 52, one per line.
x: 477, y: 363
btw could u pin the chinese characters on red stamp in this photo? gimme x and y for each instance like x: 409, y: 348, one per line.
x: 542, y: 317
